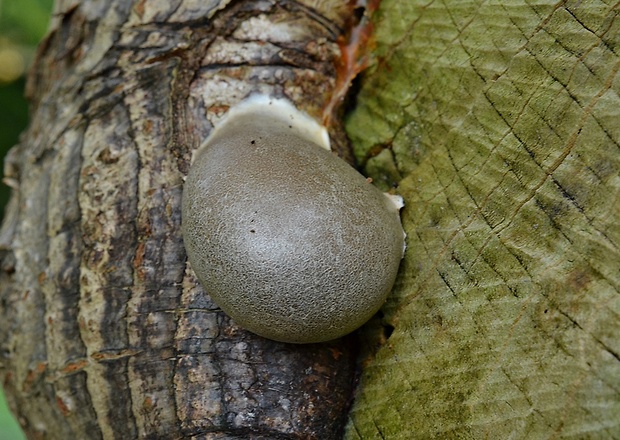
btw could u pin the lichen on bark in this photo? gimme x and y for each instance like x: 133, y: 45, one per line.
x: 501, y: 119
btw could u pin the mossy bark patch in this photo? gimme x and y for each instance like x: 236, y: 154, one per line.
x: 502, y: 120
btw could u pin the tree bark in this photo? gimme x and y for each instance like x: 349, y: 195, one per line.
x: 496, y: 122
x: 499, y: 123
x: 104, y: 330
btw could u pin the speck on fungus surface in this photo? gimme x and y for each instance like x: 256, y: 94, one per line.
x: 288, y: 239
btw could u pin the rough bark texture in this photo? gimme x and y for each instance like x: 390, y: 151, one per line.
x: 498, y: 121
x: 104, y: 331
x: 500, y: 124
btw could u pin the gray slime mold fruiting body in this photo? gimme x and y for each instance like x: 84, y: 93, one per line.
x: 288, y: 239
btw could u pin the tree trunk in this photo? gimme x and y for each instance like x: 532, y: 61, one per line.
x: 104, y: 331
x: 497, y: 122
x: 500, y: 124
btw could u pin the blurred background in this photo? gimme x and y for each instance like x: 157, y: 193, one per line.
x: 22, y: 25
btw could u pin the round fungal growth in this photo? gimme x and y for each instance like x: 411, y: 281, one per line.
x: 288, y: 239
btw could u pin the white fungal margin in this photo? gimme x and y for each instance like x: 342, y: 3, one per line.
x: 282, y: 110
x: 398, y: 203
x: 396, y: 200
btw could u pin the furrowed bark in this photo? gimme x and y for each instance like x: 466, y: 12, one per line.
x: 104, y: 331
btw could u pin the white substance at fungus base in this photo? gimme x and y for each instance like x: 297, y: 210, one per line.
x: 282, y: 110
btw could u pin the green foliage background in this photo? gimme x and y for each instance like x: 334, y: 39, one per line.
x: 22, y: 25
